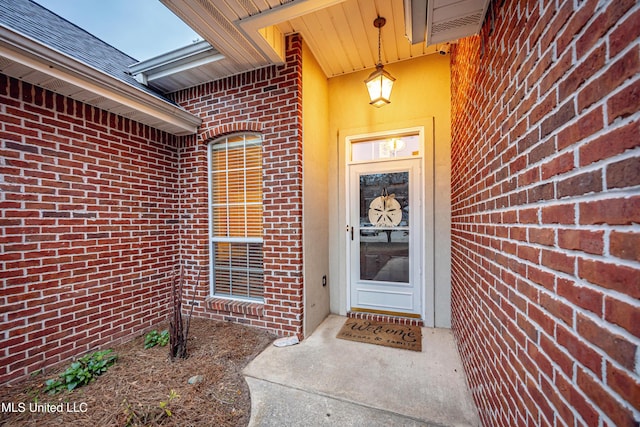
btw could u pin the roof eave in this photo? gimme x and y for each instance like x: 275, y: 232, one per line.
x: 174, y: 62
x: 176, y: 55
x: 149, y: 109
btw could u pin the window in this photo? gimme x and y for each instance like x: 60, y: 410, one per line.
x: 235, y: 194
x: 385, y: 148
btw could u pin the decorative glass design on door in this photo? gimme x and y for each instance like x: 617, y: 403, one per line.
x: 384, y: 227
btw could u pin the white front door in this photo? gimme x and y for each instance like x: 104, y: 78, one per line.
x: 385, y: 237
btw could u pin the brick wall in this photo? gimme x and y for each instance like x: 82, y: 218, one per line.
x: 97, y: 211
x: 88, y: 230
x: 546, y: 212
x: 267, y: 101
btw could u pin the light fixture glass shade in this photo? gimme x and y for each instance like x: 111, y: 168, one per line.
x: 379, y: 85
x: 395, y: 144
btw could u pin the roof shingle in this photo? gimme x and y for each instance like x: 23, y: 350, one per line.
x: 40, y: 24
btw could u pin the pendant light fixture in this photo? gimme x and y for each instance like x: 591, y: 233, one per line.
x: 380, y: 82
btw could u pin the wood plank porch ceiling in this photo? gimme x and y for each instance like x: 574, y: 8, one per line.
x: 340, y: 33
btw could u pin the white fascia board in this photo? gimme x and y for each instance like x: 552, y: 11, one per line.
x: 415, y: 20
x: 37, y: 56
x: 177, y: 68
x: 164, y: 66
x: 219, y: 30
x: 182, y: 54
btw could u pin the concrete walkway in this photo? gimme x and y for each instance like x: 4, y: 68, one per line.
x: 326, y: 381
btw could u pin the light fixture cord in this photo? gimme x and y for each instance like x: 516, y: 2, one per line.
x: 379, y: 44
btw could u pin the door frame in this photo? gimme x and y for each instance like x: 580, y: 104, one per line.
x: 426, y: 134
x: 413, y: 166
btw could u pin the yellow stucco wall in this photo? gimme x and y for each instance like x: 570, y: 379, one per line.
x: 421, y: 95
x: 315, y: 151
x: 421, y: 90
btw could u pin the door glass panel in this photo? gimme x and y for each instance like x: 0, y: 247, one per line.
x: 384, y: 227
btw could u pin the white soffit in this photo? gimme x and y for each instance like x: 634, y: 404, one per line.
x: 179, y: 68
x: 245, y: 32
x: 263, y: 31
x: 340, y: 33
x: 216, y: 22
x: 449, y: 20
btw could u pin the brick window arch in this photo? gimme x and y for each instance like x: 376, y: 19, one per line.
x: 229, y: 128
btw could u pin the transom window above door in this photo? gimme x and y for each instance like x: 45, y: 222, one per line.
x: 385, y: 148
x: 235, y: 216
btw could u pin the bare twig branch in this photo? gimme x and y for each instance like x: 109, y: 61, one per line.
x: 179, y: 332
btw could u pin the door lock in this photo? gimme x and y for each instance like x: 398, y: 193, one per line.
x: 349, y: 228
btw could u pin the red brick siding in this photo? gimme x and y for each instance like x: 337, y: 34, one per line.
x: 546, y: 207
x: 88, y: 227
x: 267, y: 101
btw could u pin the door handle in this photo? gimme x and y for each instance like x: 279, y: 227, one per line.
x: 349, y: 228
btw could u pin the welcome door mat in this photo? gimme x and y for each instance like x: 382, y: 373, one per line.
x: 387, y: 334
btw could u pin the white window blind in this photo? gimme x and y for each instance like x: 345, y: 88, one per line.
x: 236, y: 216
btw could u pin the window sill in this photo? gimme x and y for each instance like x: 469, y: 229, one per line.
x: 235, y: 306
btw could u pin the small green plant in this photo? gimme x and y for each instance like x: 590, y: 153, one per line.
x: 82, y: 371
x: 155, y: 338
x: 139, y: 415
x: 164, y: 405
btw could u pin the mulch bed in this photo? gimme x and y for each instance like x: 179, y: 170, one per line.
x: 131, y: 391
